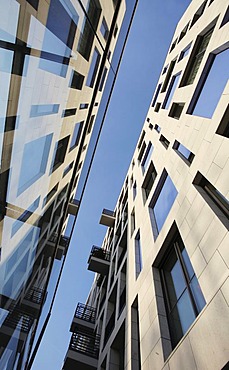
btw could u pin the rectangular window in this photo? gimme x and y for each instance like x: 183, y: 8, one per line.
x: 142, y: 150
x: 157, y: 128
x: 183, y: 152
x: 162, y: 202
x: 34, y: 3
x: 104, y: 29
x: 59, y: 153
x: 173, y: 45
x: 44, y: 110
x: 184, y: 52
x: 183, y: 297
x: 156, y: 95
x: 164, y: 141
x: 141, y: 139
x: 176, y: 110
x: 147, y: 156
x: 225, y: 18
x: 223, y: 128
x: 83, y: 106
x: 132, y: 221
x: 103, y: 78
x: 149, y: 181
x: 138, y: 255
x: 93, y: 68
x: 157, y: 108
x: 69, y: 112
x: 212, y: 85
x: 217, y: 201
x: 171, y: 90
x: 134, y: 190
x: 76, y: 80
x: 168, y: 75
x: 183, y: 32
x: 68, y: 168
x: 76, y: 135
x: 196, y: 58
x: 198, y: 14
x: 165, y: 69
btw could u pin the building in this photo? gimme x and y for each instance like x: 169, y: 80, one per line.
x: 55, y: 61
x: 161, y: 291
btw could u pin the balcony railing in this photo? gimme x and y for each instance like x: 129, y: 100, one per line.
x: 85, y: 312
x: 35, y: 295
x: 99, y: 261
x: 107, y: 218
x: 99, y: 253
x: 85, y: 343
x: 19, y: 319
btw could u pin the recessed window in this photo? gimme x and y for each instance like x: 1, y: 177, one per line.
x: 44, y: 110
x: 168, y: 75
x: 156, y: 95
x: 76, y: 135
x: 147, y: 156
x: 104, y: 29
x: 164, y: 69
x: 83, y: 106
x: 134, y: 190
x: 209, y: 92
x: 68, y: 168
x: 150, y: 126
x: 184, y: 52
x: 69, y: 112
x: 173, y: 45
x: 149, y: 181
x: 184, y: 153
x: 138, y: 255
x: 157, y: 128
x: 157, y: 108
x: 132, y: 224
x: 59, y: 153
x: 162, y: 202
x: 171, y: 90
x: 76, y: 80
x: 34, y: 162
x: 176, y: 110
x: 196, y: 58
x: 92, y: 118
x: 164, y: 141
x: 142, y: 150
x: 198, y: 14
x: 93, y: 68
x: 225, y: 18
x: 183, y: 33
x: 141, y: 139
x: 223, y: 128
x: 217, y: 201
x: 103, y: 78
x: 183, y: 297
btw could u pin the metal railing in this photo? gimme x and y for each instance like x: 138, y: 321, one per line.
x: 19, y: 319
x: 35, y: 295
x: 107, y: 212
x: 64, y: 240
x: 99, y: 253
x: 85, y: 343
x: 85, y: 312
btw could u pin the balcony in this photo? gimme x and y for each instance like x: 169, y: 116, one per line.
x: 83, y: 351
x: 33, y: 299
x: 73, y: 207
x: 84, y: 317
x: 99, y: 261
x: 107, y: 218
x: 62, y: 246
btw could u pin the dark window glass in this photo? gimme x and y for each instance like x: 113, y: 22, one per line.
x: 93, y: 68
x: 184, y: 52
x: 104, y: 29
x: 168, y: 75
x: 69, y: 112
x: 77, y: 80
x: 50, y: 195
x: 141, y: 139
x: 132, y: 221
x: 156, y: 95
x: 162, y: 201
x: 134, y: 190
x: 171, y: 90
x: 157, y: 128
x: 214, y: 85
x: 142, y: 150
x: 164, y: 141
x: 138, y: 255
x: 149, y: 181
x: 157, y: 108
x: 59, y: 153
x: 90, y: 124
x: 225, y: 18
x: 83, y: 106
x: 176, y: 110
x: 147, y: 156
x: 68, y: 168
x: 183, y: 296
x: 223, y: 128
x: 103, y: 79
x: 183, y: 33
x: 173, y: 45
x: 76, y: 135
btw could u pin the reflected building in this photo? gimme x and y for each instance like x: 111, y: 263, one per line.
x: 160, y: 295
x: 58, y: 65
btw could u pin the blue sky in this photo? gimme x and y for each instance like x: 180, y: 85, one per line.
x: 149, y: 39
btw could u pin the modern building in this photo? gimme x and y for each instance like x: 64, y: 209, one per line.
x: 160, y: 297
x: 56, y: 57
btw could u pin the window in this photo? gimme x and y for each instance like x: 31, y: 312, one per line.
x: 157, y: 108
x: 34, y: 162
x: 223, y: 128
x: 34, y: 3
x: 164, y: 69
x: 93, y: 68
x: 183, y: 152
x: 149, y: 181
x: 44, y: 110
x: 92, y: 118
x: 176, y: 110
x: 171, y: 90
x: 209, y: 92
x: 217, y: 201
x: 198, y: 14
x: 76, y: 135
x: 183, y: 33
x: 134, y: 190
x: 138, y: 255
x: 147, y: 156
x: 168, y: 75
x: 76, y: 80
x: 104, y: 29
x: 164, y: 141
x: 183, y: 297
x: 173, y: 45
x: 184, y: 52
x: 68, y: 168
x: 59, y: 153
x: 156, y: 95
x: 157, y: 128
x: 132, y: 221
x: 142, y: 150
x: 196, y: 58
x: 141, y: 139
x: 162, y: 201
x: 83, y: 106
x: 103, y: 79
x: 69, y: 112
x: 225, y: 18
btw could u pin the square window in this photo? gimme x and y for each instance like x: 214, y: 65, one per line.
x: 104, y: 29
x: 176, y: 110
x: 223, y: 128
x: 183, y: 152
x: 138, y: 255
x: 59, y: 153
x: 171, y: 90
x: 76, y: 80
x: 164, y: 141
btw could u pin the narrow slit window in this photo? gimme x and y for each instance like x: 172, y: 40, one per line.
x: 149, y: 180
x: 183, y: 152
x: 93, y: 68
x: 171, y: 90
x: 138, y: 255
x: 147, y: 156
x: 164, y: 141
x: 176, y: 110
